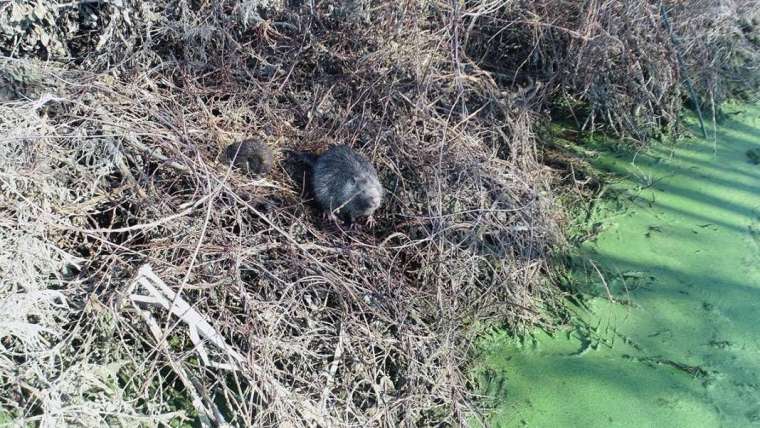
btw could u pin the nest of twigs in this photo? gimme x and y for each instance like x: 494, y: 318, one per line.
x: 112, y: 158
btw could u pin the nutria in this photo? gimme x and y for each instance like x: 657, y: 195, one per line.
x: 344, y: 182
x: 251, y: 156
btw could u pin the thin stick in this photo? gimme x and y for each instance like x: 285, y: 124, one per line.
x: 606, y: 288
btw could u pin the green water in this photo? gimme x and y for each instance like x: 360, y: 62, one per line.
x: 679, y: 249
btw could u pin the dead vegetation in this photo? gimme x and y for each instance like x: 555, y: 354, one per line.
x: 111, y: 159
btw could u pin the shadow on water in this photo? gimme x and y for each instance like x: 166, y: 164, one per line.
x: 680, y: 345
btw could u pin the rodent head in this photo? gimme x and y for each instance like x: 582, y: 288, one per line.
x: 370, y: 198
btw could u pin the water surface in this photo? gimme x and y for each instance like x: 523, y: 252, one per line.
x: 679, y: 249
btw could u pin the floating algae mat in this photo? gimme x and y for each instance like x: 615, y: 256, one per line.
x: 679, y: 251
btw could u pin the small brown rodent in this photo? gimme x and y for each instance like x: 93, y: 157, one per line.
x: 251, y: 156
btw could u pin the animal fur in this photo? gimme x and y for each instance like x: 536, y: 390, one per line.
x: 345, y: 183
x: 251, y: 156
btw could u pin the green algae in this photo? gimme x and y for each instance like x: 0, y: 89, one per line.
x: 676, y: 341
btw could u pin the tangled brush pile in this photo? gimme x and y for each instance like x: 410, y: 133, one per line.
x: 112, y: 158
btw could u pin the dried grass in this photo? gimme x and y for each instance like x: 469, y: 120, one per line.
x: 113, y: 160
